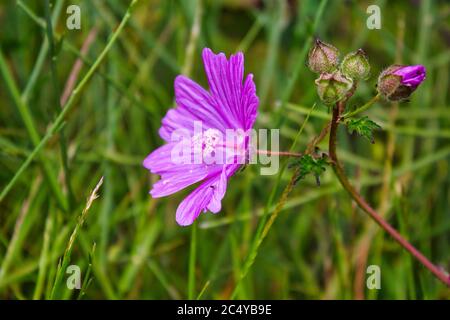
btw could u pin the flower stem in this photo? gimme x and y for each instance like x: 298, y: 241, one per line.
x: 192, y: 259
x: 280, y: 153
x: 265, y: 225
x: 362, y: 108
x: 441, y: 275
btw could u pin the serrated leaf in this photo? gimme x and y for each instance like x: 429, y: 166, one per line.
x: 308, y: 165
x: 363, y: 127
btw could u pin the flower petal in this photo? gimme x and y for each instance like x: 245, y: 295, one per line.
x: 412, y: 76
x: 191, y: 207
x: 175, y: 176
x: 182, y: 177
x: 225, y: 78
x: 225, y: 83
x: 207, y: 196
x: 220, y: 187
x: 193, y: 104
x: 249, y: 102
x: 160, y: 159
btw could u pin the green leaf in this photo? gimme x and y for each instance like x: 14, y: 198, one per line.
x: 309, y: 165
x: 363, y: 126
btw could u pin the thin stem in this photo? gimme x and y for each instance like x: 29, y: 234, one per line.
x: 187, y: 68
x: 37, y: 68
x: 265, y: 225
x: 368, y: 209
x: 59, y: 121
x: 33, y: 133
x: 68, y: 252
x: 280, y: 153
x: 192, y: 258
x: 56, y: 102
x: 299, y: 64
x: 44, y: 258
x: 362, y: 108
x: 18, y: 234
x: 72, y: 49
x: 73, y: 76
x: 193, y: 39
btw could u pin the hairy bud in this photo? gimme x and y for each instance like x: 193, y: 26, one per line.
x: 323, y: 57
x: 332, y: 87
x: 356, y: 66
x: 399, y: 82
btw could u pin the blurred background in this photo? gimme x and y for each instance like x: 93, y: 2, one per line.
x: 129, y: 246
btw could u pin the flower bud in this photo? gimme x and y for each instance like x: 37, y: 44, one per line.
x: 332, y: 87
x: 356, y: 66
x: 398, y: 82
x: 322, y: 57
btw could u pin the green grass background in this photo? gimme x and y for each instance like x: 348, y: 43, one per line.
x: 130, y: 246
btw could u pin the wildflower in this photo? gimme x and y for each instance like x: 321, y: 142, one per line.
x: 322, y: 57
x: 231, y: 103
x: 333, y: 87
x: 356, y: 66
x: 399, y: 82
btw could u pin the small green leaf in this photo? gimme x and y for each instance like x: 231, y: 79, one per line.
x: 309, y: 165
x: 363, y: 126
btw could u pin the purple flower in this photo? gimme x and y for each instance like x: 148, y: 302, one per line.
x: 397, y: 82
x: 231, y: 103
x: 412, y: 76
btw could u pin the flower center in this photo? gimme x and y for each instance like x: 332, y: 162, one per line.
x: 206, y: 141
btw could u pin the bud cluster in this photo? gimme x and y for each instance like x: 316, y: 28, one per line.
x: 337, y: 79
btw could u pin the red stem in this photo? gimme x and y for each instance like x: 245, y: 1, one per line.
x: 440, y: 274
x: 279, y: 153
